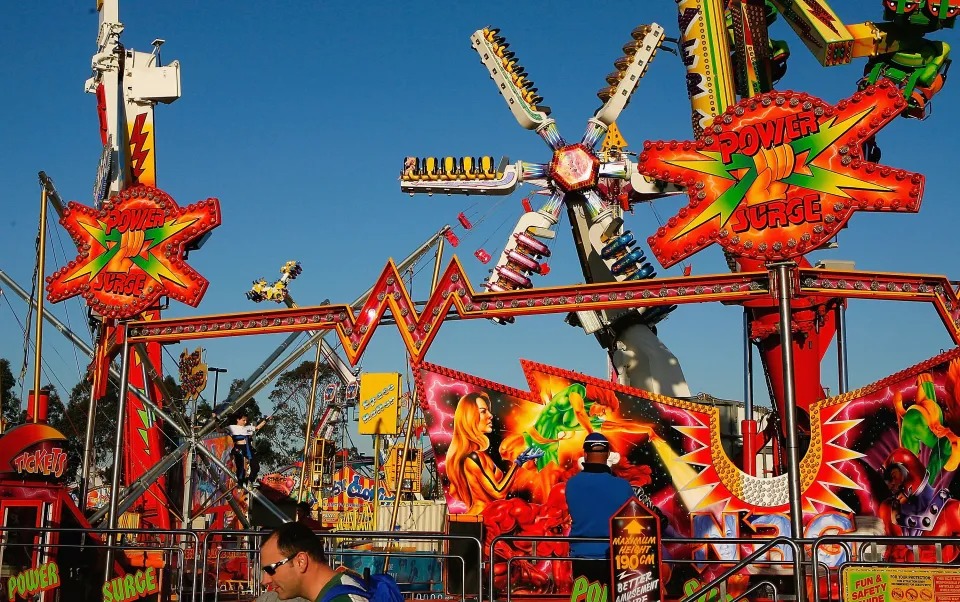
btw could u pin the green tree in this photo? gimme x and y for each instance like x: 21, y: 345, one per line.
x: 105, y: 427
x: 262, y: 442
x: 73, y: 426
x: 290, y: 397
x: 11, y: 411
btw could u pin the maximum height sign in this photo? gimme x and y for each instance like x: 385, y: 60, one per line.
x: 635, y: 554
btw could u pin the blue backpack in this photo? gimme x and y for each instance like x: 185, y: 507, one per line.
x: 379, y: 587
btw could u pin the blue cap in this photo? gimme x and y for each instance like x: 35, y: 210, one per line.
x: 596, y: 442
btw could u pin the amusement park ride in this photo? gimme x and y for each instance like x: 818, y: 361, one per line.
x: 770, y: 176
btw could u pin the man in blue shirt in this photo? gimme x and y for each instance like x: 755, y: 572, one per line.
x: 593, y: 496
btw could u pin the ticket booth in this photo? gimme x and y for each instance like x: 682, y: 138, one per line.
x: 35, y: 559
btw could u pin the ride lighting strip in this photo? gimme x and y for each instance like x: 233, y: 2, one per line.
x: 455, y: 292
x: 885, y: 286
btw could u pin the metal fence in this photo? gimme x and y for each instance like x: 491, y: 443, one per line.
x: 189, y: 564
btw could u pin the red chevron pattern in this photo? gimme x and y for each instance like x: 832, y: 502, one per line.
x: 454, y: 292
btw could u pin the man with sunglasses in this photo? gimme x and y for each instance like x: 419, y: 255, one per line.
x: 294, y: 565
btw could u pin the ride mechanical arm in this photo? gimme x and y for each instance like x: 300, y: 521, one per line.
x: 584, y: 181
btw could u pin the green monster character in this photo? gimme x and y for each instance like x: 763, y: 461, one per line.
x: 569, y: 411
x: 930, y: 424
x: 918, y: 65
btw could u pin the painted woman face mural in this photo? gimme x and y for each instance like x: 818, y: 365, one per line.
x: 475, y: 478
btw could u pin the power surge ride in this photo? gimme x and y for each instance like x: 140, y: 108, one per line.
x: 770, y: 178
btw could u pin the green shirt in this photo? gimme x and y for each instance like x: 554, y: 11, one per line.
x: 343, y: 577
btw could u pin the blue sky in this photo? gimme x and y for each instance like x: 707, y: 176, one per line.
x: 297, y: 116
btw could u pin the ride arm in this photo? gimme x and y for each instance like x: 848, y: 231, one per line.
x: 630, y: 69
x: 462, y: 175
x: 829, y: 40
x: 511, y: 79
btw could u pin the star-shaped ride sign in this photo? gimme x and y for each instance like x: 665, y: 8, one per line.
x: 778, y: 175
x: 131, y: 252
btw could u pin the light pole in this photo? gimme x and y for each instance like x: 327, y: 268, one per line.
x: 216, y: 381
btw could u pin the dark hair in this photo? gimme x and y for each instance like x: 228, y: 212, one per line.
x: 237, y: 417
x: 293, y: 538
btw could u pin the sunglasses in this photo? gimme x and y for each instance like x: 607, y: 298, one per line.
x: 271, y: 569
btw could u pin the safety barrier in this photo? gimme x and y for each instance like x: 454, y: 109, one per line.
x: 76, y: 550
x: 337, y: 551
x: 190, y: 562
x: 907, y: 553
x: 756, y: 559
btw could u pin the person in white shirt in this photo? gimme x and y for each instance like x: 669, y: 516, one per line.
x: 242, y: 451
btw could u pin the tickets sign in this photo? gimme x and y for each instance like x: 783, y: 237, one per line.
x: 132, y: 251
x: 635, y: 554
x: 778, y: 175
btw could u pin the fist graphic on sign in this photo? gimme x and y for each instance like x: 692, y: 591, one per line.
x: 773, y: 165
x: 131, y: 244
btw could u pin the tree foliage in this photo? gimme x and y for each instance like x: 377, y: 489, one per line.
x: 290, y: 397
x: 105, y: 427
x: 262, y: 443
x: 11, y: 410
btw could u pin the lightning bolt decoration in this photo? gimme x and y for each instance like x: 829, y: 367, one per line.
x: 779, y: 175
x: 141, y: 158
x: 131, y: 252
x: 820, y: 28
x: 146, y: 422
x: 453, y: 293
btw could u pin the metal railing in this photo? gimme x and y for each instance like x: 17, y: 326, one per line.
x: 255, y: 540
x: 173, y: 544
x: 862, y: 551
x: 191, y: 558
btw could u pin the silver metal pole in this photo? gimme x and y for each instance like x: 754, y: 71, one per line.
x: 747, y: 368
x: 89, y: 454
x: 117, y: 452
x: 783, y: 272
x: 311, y: 408
x: 842, y: 366
x: 140, y: 486
x: 436, y: 266
x: 188, y: 472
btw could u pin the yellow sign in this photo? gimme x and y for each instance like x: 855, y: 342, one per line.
x: 613, y: 139
x: 379, y: 407
x: 865, y: 583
